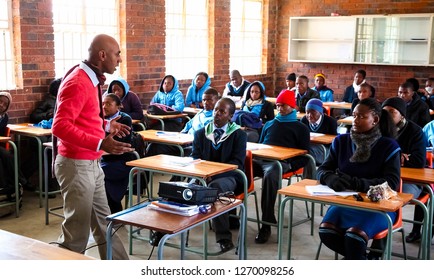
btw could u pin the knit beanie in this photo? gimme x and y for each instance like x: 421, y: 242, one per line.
x: 314, y: 104
x: 291, y: 77
x: 8, y: 96
x: 397, y: 103
x: 286, y: 97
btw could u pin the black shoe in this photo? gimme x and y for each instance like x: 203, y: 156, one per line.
x: 225, y: 245
x: 263, y: 235
x: 155, y: 238
x: 413, y: 237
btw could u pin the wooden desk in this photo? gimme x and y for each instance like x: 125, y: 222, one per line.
x: 139, y: 122
x: 17, y: 201
x: 47, y: 171
x: 191, y: 111
x: 322, y: 140
x: 337, y: 105
x: 425, y: 177
x: 300, y: 115
x: 171, y: 224
x: 161, y: 118
x: 271, y: 99
x: 200, y: 170
x: 176, y: 139
x: 298, y: 191
x: 18, y: 247
x: 348, y: 121
x: 27, y: 129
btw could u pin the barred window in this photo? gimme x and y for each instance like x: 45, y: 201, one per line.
x: 76, y: 23
x: 246, y: 48
x: 7, y: 60
x: 187, y: 45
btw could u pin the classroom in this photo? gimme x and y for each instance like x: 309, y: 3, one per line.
x: 265, y: 40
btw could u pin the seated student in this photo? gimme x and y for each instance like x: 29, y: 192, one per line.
x: 286, y: 131
x: 318, y: 122
x: 202, y: 118
x: 411, y: 139
x: 365, y: 157
x: 256, y: 103
x: 304, y: 93
x: 194, y: 92
x: 221, y: 141
x: 236, y: 87
x: 169, y: 95
x: 363, y: 93
x: 42, y: 113
x: 115, y: 170
x: 131, y: 103
x: 325, y: 93
x: 7, y: 178
x: 417, y: 109
x: 351, y: 91
x: 424, y: 95
x: 428, y: 92
x: 290, y: 82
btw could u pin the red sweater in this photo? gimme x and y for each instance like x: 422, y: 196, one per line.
x: 77, y: 122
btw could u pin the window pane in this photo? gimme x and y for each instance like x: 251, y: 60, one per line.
x: 246, y: 36
x: 186, y: 37
x: 7, y: 66
x: 75, y: 25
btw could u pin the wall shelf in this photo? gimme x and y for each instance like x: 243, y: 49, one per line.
x: 405, y: 39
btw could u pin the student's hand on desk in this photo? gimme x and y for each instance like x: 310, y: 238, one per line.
x: 404, y: 157
x: 120, y: 129
x: 114, y: 147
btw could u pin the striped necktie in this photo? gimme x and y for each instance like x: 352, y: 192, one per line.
x: 218, y: 132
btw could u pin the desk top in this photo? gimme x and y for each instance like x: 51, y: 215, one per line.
x: 29, y: 130
x: 191, y: 110
x: 418, y: 175
x: 164, y: 117
x: 271, y: 99
x: 145, y: 217
x: 165, y: 137
x: 298, y: 190
x: 300, y: 115
x: 18, y: 247
x: 346, y: 121
x: 273, y: 152
x: 324, y: 139
x: 167, y: 163
x: 338, y: 105
x: 4, y: 139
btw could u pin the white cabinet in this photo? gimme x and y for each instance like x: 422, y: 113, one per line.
x: 370, y: 39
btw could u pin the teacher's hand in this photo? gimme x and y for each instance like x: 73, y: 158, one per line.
x: 114, y: 147
x: 120, y: 129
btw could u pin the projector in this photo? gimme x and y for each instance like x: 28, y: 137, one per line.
x: 187, y: 193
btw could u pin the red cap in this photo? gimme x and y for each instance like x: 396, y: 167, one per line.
x: 286, y: 97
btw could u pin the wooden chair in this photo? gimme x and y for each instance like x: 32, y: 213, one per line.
x: 7, y: 134
x: 396, y: 227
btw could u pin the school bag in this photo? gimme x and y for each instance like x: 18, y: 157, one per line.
x: 247, y: 119
x: 161, y: 109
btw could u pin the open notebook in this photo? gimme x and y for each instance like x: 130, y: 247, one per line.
x: 325, y: 190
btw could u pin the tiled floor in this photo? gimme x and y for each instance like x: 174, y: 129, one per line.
x: 31, y: 223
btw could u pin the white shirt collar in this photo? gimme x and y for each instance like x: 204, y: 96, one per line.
x: 90, y: 73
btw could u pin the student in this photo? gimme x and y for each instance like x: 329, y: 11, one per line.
x: 257, y: 104
x: 198, y: 86
x: 318, y: 122
x: 236, y: 87
x: 304, y: 93
x: 131, y: 103
x: 7, y: 178
x: 43, y: 112
x: 221, y: 141
x: 351, y: 91
x: 417, y: 110
x: 114, y: 167
x: 286, y: 131
x: 169, y: 94
x: 290, y: 81
x: 363, y: 93
x: 411, y: 139
x: 326, y: 93
x: 202, y: 118
x: 367, y: 156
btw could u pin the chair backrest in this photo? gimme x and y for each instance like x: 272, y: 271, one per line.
x: 248, y: 170
x: 429, y: 159
x: 7, y: 134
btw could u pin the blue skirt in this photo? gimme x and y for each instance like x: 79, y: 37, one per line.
x: 370, y: 222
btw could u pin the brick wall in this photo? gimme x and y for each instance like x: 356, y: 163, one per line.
x: 142, y: 41
x: 385, y: 79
